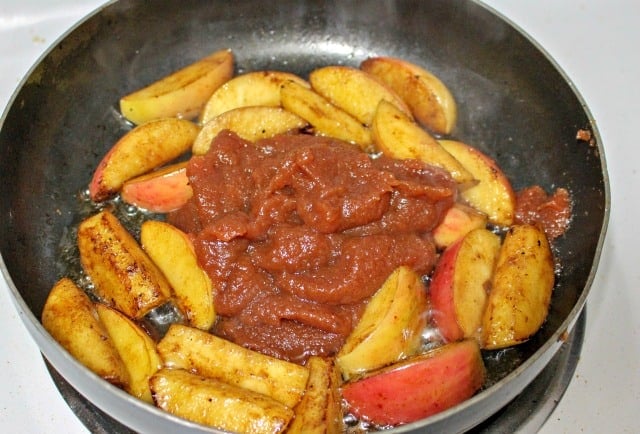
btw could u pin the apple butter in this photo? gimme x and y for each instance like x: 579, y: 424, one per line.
x: 297, y: 232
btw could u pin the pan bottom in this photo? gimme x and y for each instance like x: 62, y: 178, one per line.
x: 525, y: 413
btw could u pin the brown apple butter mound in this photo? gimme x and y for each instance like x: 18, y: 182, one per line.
x: 298, y: 231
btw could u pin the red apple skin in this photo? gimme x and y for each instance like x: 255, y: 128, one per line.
x: 441, y: 295
x: 418, y: 387
x: 457, y: 222
x: 163, y: 191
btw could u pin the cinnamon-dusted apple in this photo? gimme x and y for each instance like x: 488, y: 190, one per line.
x: 523, y: 282
x: 71, y: 319
x: 123, y: 275
x: 326, y: 118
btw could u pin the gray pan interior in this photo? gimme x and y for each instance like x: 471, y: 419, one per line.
x: 513, y: 101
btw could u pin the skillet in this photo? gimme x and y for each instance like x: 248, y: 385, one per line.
x: 514, y: 104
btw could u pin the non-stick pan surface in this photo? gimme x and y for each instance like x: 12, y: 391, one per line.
x: 513, y: 103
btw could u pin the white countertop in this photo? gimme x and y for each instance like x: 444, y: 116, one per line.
x: 595, y: 42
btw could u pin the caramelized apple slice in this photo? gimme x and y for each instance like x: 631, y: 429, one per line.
x: 250, y: 123
x: 320, y: 410
x: 460, y: 284
x: 211, y: 402
x: 137, y: 350
x: 522, y: 286
x: 142, y: 149
x: 419, y: 387
x: 180, y: 94
x: 123, y: 275
x: 258, y: 88
x: 209, y: 355
x: 399, y: 137
x: 431, y: 102
x: 390, y: 327
x: 355, y: 91
x: 70, y: 317
x: 493, y: 194
x: 172, y: 251
x: 326, y: 118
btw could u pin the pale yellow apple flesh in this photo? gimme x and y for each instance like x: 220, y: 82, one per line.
x: 355, y: 91
x: 397, y: 136
x: 250, y: 123
x: 141, y: 150
x: 70, y: 318
x: 180, y: 94
x: 172, y: 251
x: 137, y: 350
x: 326, y: 118
x: 461, y: 282
x: 257, y: 88
x: 493, y: 194
x: 390, y: 327
x: 429, y: 99
x: 519, y: 300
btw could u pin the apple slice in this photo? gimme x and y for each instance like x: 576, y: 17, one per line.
x: 493, y: 194
x: 123, y: 275
x: 355, y: 91
x: 319, y: 410
x: 418, y: 387
x: 390, y: 328
x: 458, y: 221
x: 180, y: 94
x: 137, y: 350
x: 161, y: 191
x: 211, y: 402
x: 431, y: 102
x: 195, y: 350
x: 460, y: 284
x: 326, y: 118
x: 258, y: 88
x: 522, y: 286
x: 397, y: 136
x: 70, y: 317
x: 142, y: 149
x: 172, y: 251
x: 250, y: 123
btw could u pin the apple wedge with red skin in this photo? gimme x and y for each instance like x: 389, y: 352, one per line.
x: 493, y: 193
x: 457, y: 222
x: 418, y: 387
x: 161, y: 191
x: 460, y: 283
x: 141, y: 150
